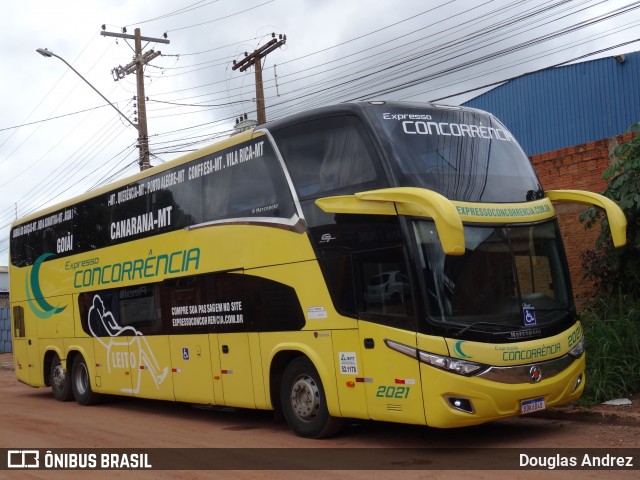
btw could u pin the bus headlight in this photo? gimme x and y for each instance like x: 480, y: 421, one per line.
x: 578, y: 350
x: 454, y: 365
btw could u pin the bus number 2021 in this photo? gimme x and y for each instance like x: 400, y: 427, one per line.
x: 390, y: 391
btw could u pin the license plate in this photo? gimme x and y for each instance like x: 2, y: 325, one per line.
x: 530, y: 406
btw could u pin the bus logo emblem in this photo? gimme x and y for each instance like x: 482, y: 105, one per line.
x: 535, y: 374
x: 326, y: 238
x: 39, y: 306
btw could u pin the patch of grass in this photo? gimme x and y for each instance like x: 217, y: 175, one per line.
x: 612, y: 343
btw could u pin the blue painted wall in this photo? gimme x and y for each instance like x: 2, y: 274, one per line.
x: 568, y: 105
x: 5, y: 331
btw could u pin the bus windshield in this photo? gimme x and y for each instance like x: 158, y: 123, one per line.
x: 511, y: 276
x: 465, y: 155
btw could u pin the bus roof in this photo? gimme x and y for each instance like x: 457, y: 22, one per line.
x: 342, y: 108
x: 354, y: 107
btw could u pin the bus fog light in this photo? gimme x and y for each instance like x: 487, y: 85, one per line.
x: 460, y: 403
x: 578, y: 382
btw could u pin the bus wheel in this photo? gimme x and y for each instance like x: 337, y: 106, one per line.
x: 60, y: 381
x: 81, y: 383
x: 304, y: 403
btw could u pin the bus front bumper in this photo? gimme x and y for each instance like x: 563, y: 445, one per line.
x: 453, y: 400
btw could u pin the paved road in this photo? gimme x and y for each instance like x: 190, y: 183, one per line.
x: 33, y: 419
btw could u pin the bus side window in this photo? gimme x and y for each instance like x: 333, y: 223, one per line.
x: 329, y: 155
x: 139, y: 309
x: 18, y: 322
x: 383, y: 287
x: 338, y: 273
x: 254, y: 187
x: 124, y: 311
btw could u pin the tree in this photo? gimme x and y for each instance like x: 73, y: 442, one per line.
x: 611, y: 320
x: 618, y: 269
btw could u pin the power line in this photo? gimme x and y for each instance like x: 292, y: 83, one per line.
x: 57, y: 106
x: 493, y: 55
x: 371, y: 33
x: 212, y: 49
x: 352, y: 82
x: 221, y: 18
x: 52, y: 118
x: 50, y: 90
x: 201, y: 105
x: 330, y: 93
x: 368, y: 57
x: 528, y: 59
x: 400, y: 73
x: 44, y: 191
x: 180, y: 11
x: 575, y: 59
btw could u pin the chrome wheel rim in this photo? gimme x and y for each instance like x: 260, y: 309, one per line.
x: 305, y: 398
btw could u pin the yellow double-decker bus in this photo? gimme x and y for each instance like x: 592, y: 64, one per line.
x: 389, y: 261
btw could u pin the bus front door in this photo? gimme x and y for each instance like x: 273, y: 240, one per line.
x: 391, y: 379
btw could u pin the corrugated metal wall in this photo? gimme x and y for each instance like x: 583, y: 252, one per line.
x: 568, y: 105
x: 5, y: 330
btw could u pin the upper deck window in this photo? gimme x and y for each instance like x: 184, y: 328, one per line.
x: 329, y: 156
x: 244, y: 180
x: 464, y: 155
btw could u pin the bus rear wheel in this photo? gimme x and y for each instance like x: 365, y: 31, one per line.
x: 81, y: 383
x: 304, y: 403
x: 60, y: 381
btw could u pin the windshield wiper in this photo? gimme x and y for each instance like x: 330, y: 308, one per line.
x: 464, y: 329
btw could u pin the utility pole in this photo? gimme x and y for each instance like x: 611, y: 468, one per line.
x: 254, y: 59
x: 137, y: 66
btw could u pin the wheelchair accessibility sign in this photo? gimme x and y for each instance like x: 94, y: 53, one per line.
x: 529, y: 315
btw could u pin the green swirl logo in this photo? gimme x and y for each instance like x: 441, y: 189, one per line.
x: 37, y: 303
x: 458, y: 350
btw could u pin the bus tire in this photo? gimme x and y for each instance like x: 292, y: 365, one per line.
x: 60, y: 381
x: 81, y: 383
x: 304, y: 403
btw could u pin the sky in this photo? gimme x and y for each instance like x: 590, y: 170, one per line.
x: 59, y: 138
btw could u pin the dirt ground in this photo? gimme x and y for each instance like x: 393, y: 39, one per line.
x: 33, y: 419
x: 624, y: 414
